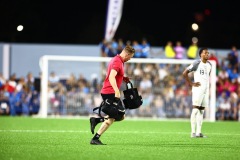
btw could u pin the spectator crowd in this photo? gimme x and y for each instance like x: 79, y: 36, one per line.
x: 164, y: 91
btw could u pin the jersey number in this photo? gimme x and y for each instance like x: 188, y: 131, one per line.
x: 202, y: 72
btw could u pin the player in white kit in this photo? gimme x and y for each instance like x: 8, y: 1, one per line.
x: 200, y: 90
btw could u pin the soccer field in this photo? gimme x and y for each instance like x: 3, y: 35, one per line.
x: 68, y: 139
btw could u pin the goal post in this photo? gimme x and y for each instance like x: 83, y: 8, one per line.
x: 45, y: 61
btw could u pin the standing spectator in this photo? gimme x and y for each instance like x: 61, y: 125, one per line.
x: 138, y: 49
x: 110, y: 50
x: 145, y: 49
x: 169, y: 50
x: 103, y: 46
x: 233, y: 57
x: 30, y: 80
x: 192, y: 51
x: 179, y: 50
x: 121, y: 45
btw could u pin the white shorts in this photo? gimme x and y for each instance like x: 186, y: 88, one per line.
x: 200, y: 97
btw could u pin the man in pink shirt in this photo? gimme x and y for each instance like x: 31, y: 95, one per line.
x: 110, y: 90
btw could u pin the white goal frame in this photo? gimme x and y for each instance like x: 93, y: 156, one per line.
x: 44, y: 63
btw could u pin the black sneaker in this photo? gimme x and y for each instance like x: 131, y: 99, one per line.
x: 96, y: 142
x: 92, y: 124
x: 200, y: 135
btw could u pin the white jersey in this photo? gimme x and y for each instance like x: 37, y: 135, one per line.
x: 201, y: 72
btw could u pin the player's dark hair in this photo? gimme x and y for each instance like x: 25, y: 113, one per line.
x: 201, y: 50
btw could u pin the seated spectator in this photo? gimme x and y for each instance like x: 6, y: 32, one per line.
x: 234, y: 105
x: 233, y: 75
x: 4, y: 104
x: 53, y: 79
x: 21, y: 84
x: 224, y: 106
x: 222, y: 74
x: 2, y: 80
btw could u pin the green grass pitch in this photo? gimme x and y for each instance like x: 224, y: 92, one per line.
x: 26, y: 138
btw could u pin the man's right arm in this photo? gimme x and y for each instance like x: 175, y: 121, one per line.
x: 185, y: 75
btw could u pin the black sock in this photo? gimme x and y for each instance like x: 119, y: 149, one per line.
x: 98, y: 120
x: 96, y: 136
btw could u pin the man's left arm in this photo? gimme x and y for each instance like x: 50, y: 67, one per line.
x: 112, y: 80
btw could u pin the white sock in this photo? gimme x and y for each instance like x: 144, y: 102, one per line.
x: 199, y: 121
x: 193, y: 119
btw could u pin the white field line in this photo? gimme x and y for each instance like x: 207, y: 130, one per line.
x: 119, y: 132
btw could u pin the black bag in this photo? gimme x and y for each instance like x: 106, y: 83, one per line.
x: 112, y: 108
x: 132, y: 99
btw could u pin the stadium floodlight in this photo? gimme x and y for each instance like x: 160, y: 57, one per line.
x: 48, y: 61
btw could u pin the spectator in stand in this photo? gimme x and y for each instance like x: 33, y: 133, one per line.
x: 15, y: 103
x: 169, y: 50
x: 21, y: 84
x: 233, y: 102
x: 121, y: 45
x: 137, y: 48
x: 233, y: 74
x: 114, y: 44
x: 4, y: 104
x: 224, y: 106
x: 222, y: 74
x: 2, y: 80
x: 71, y: 82
x: 146, y: 84
x: 192, y: 51
x: 8, y: 88
x: 53, y: 79
x: 103, y: 46
x: 30, y: 80
x: 145, y: 48
x: 233, y: 57
x: 179, y: 50
x: 213, y: 57
x: 10, y: 84
x: 110, y: 50
x: 232, y: 61
x: 225, y: 85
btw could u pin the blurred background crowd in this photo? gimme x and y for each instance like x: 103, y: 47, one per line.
x: 164, y: 91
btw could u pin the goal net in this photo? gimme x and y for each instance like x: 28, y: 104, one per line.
x: 75, y: 90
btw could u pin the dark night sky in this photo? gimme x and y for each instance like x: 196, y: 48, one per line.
x: 83, y: 22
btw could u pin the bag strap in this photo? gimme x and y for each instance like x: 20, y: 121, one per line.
x: 99, y: 109
x: 130, y: 84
